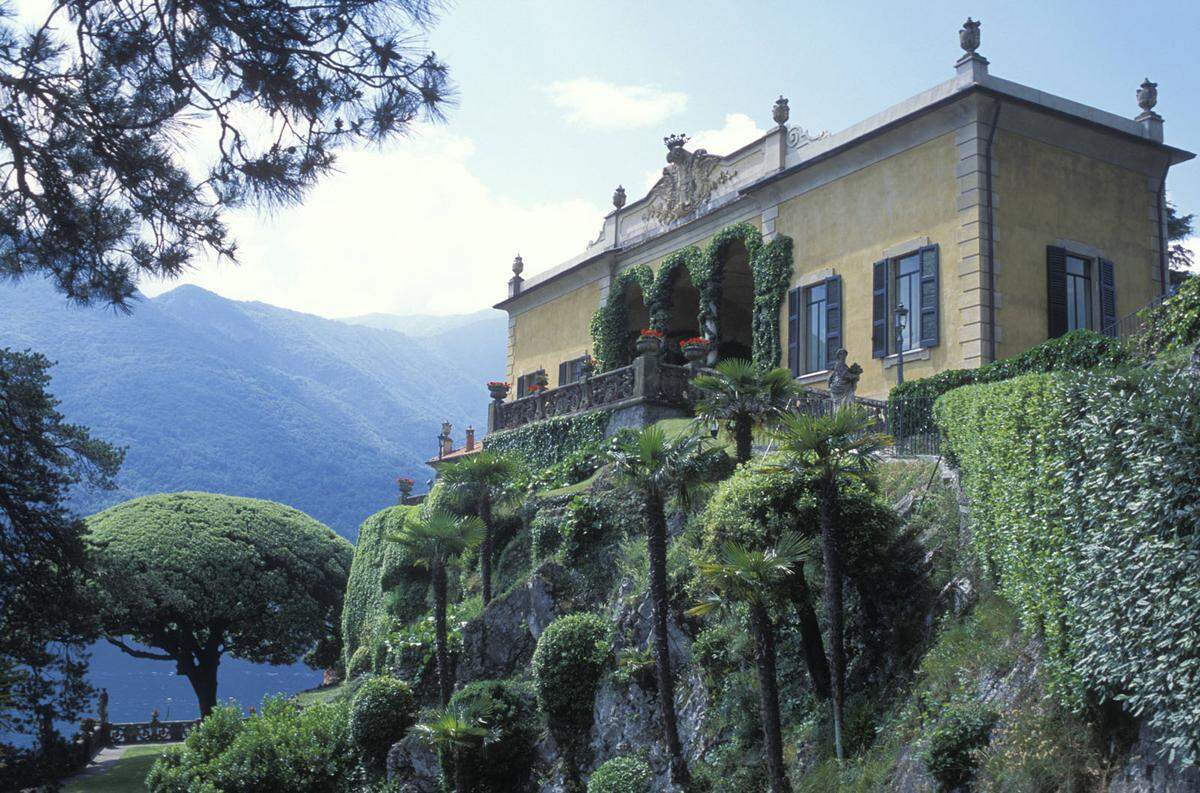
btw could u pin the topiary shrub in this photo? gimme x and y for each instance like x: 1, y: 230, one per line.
x: 380, y: 714
x: 570, y: 658
x: 508, y: 711
x: 951, y: 754
x: 621, y: 775
x: 360, y: 663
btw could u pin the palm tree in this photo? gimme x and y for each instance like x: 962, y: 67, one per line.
x: 827, y: 449
x: 435, y: 541
x: 659, y: 469
x: 450, y: 733
x: 743, y: 395
x: 480, y: 483
x: 754, y: 577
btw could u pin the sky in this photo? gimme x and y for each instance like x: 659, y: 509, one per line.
x: 561, y: 100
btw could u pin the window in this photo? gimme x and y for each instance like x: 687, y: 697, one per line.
x: 815, y: 324
x: 526, y: 380
x: 571, y: 371
x: 1079, y: 293
x: 910, y: 280
x: 907, y: 294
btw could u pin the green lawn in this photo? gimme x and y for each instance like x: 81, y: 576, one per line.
x: 126, y: 775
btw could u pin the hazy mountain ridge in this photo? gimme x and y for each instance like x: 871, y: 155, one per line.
x: 250, y: 399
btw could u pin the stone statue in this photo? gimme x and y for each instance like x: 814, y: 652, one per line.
x: 687, y: 182
x: 843, y: 381
x: 103, y: 706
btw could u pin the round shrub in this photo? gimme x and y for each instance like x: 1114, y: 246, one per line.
x: 508, y: 712
x: 382, y: 711
x: 360, y: 663
x: 570, y: 657
x: 951, y: 755
x: 621, y: 775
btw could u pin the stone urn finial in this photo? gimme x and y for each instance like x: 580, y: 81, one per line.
x: 518, y: 265
x: 968, y: 37
x: 780, y: 112
x: 1147, y: 95
x: 619, y: 197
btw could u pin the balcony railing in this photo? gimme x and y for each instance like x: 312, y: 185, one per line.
x: 646, y: 379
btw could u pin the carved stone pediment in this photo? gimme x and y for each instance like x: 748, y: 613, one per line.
x: 799, y: 137
x: 687, y: 182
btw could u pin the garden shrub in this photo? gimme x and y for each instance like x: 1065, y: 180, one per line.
x: 282, y: 748
x: 621, y: 775
x: 381, y: 713
x: 951, y: 754
x: 542, y: 444
x: 570, y: 657
x: 360, y: 663
x: 544, y: 533
x: 1085, y: 502
x: 508, y: 711
x: 1174, y: 323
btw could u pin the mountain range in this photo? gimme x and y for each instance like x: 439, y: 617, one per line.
x: 249, y: 399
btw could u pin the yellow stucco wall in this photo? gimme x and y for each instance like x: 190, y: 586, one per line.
x: 847, y: 224
x: 553, y: 332
x: 1046, y: 194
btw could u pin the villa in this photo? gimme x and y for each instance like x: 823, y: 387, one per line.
x: 963, y: 225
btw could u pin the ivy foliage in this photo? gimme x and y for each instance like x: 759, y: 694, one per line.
x: 1086, y: 504
x: 621, y: 775
x: 570, y: 657
x: 952, y: 752
x: 542, y: 444
x: 381, y: 572
x: 770, y: 265
x: 612, y: 338
x: 1175, y: 322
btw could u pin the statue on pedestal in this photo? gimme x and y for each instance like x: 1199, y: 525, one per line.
x: 843, y: 381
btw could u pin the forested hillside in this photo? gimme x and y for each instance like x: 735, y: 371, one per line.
x: 249, y: 399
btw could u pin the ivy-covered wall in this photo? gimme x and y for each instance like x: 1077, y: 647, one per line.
x: 770, y: 265
x: 542, y: 444
x: 1085, y: 504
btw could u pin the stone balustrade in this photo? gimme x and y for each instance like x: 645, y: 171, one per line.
x: 153, y: 731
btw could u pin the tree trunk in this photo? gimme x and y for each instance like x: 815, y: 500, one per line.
x: 743, y: 434
x: 460, y: 770
x: 485, y: 550
x: 768, y: 692
x: 203, y: 677
x: 445, y: 681
x: 656, y: 541
x: 833, y: 607
x: 810, y: 635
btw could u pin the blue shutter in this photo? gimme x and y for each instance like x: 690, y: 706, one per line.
x: 930, y: 297
x: 1056, y: 291
x: 879, y: 309
x: 794, y: 331
x: 833, y: 319
x: 1108, y: 299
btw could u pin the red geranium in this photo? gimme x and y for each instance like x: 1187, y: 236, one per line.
x: 695, y: 341
x: 403, y: 481
x: 654, y: 334
x: 497, y: 384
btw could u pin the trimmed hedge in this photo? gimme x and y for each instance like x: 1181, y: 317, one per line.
x: 621, y: 775
x: 910, y: 403
x: 1086, y: 504
x: 570, y: 657
x: 381, y: 712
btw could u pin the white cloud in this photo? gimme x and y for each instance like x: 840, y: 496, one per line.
x: 603, y: 105
x: 738, y: 130
x: 406, y: 230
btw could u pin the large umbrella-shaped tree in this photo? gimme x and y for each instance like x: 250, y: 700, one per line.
x: 193, y: 577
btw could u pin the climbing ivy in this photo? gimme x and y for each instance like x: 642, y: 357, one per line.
x: 541, y: 444
x: 770, y: 265
x: 610, y: 344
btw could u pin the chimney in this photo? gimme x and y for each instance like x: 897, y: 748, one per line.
x: 470, y: 439
x: 445, y: 444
